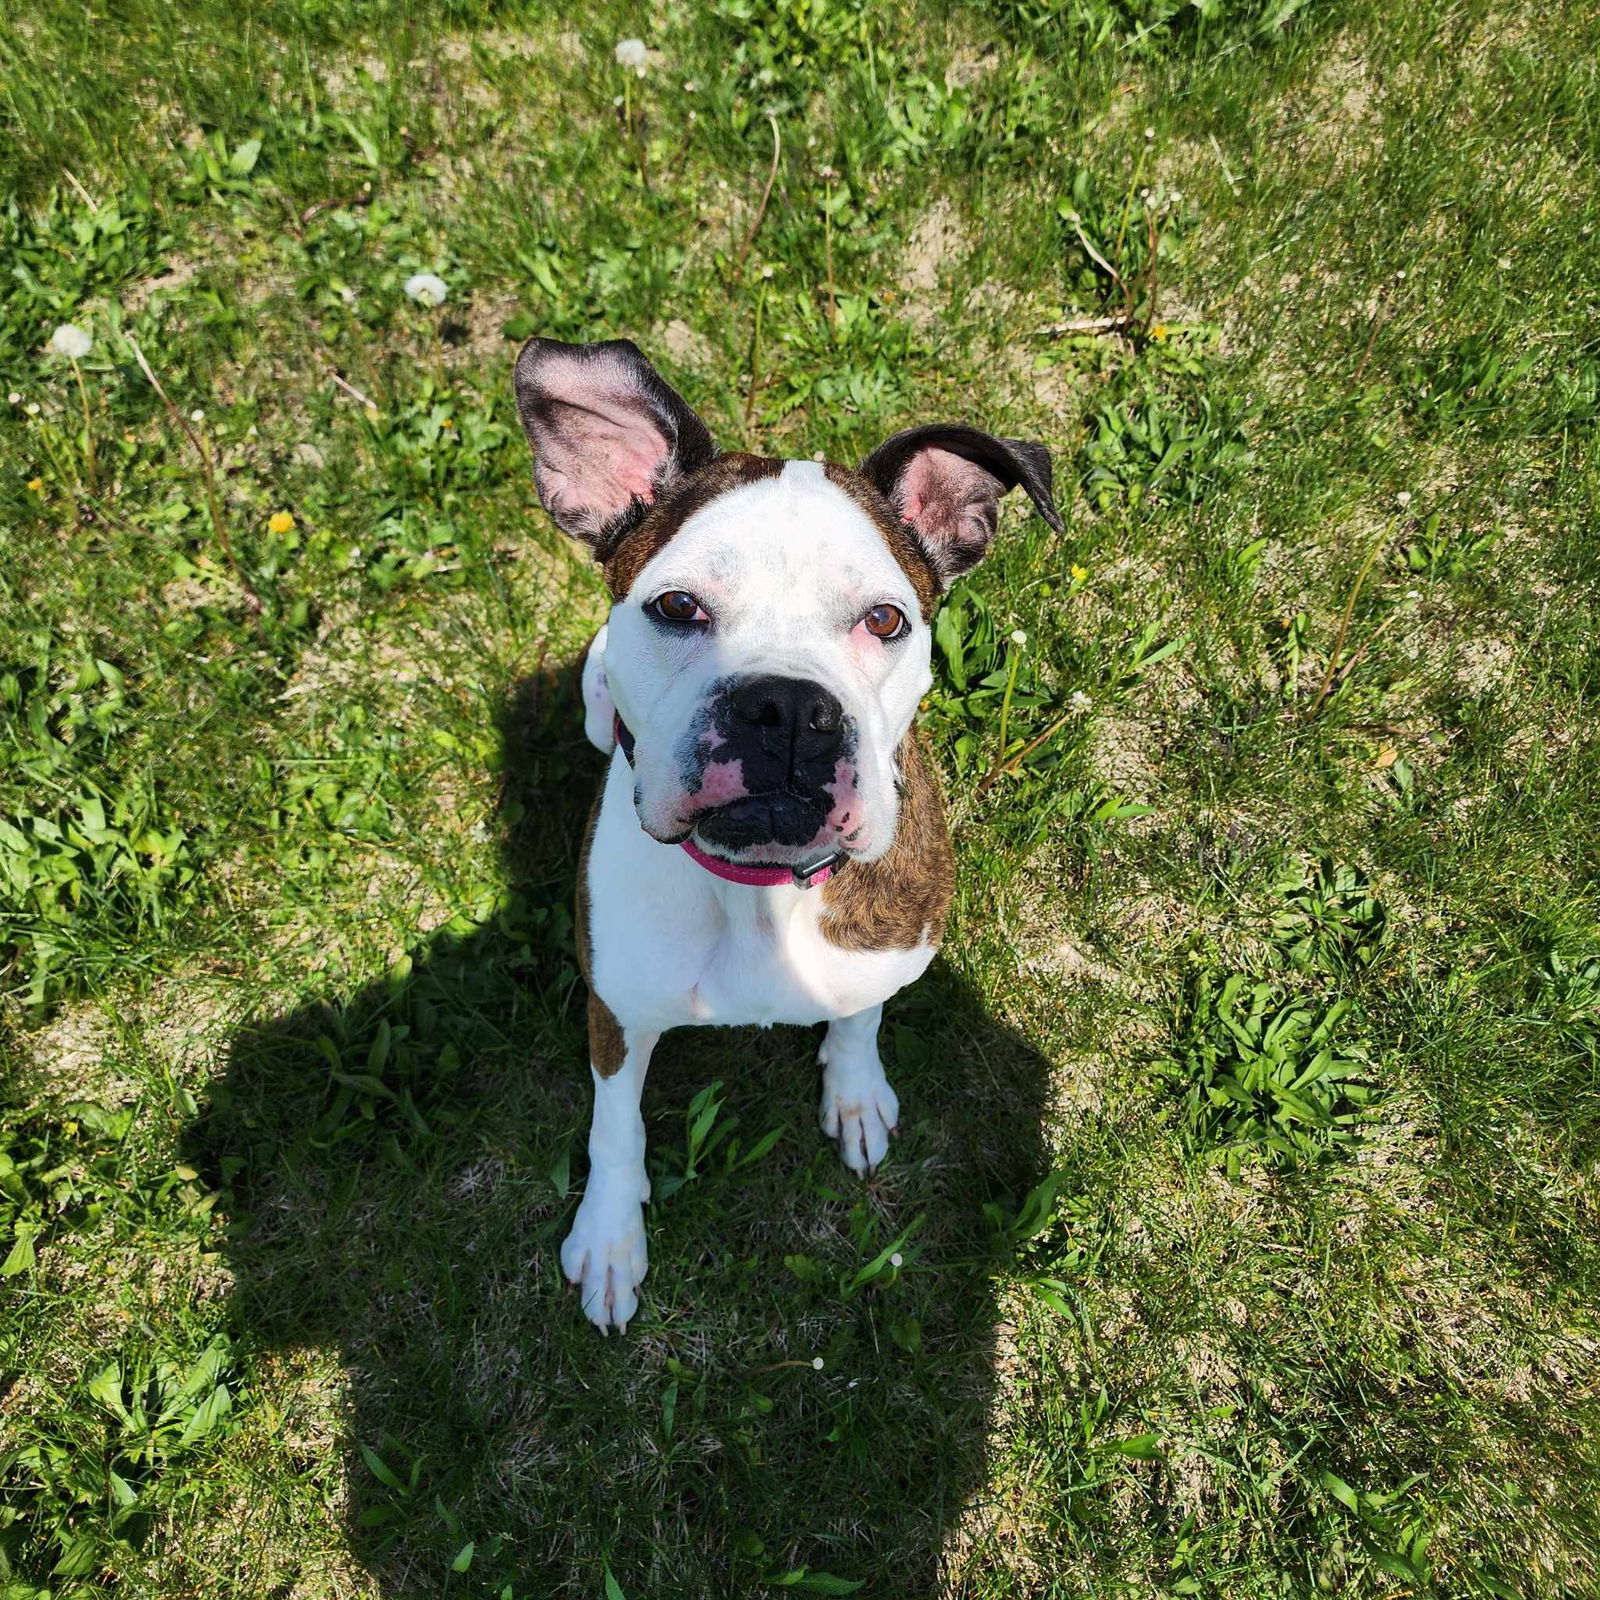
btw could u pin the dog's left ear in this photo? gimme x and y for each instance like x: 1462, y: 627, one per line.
x: 609, y: 435
x: 945, y: 483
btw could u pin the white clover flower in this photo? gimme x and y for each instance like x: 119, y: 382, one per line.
x: 818, y: 1363
x: 1413, y: 594
x: 71, y: 341
x: 632, y: 53
x: 691, y: 87
x: 1019, y: 638
x: 14, y: 398
x: 427, y: 289
x: 1149, y: 133
x: 819, y: 455
x: 32, y: 408
x: 197, y: 415
x: 897, y: 1260
x: 1079, y: 701
x: 1403, y: 499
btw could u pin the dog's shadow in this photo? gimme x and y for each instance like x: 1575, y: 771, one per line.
x: 399, y: 1166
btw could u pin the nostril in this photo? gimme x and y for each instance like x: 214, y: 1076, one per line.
x: 769, y: 715
x: 824, y: 717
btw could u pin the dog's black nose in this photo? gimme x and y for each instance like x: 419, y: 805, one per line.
x: 787, y: 716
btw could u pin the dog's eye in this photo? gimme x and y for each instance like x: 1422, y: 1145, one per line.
x: 885, y: 622
x: 677, y: 605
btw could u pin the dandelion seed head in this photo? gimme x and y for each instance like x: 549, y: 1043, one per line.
x: 1018, y: 637
x: 818, y: 1363
x: 427, y: 289
x: 71, y: 341
x: 632, y: 53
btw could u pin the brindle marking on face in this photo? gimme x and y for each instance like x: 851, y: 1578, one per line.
x: 638, y: 548
x: 900, y: 900
x: 902, y: 545
x: 606, y: 1046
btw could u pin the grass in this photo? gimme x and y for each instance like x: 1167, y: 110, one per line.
x: 1241, y: 1236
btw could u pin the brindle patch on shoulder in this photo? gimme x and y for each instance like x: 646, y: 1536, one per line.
x: 606, y: 1044
x: 639, y: 547
x: 900, y: 900
x: 902, y: 545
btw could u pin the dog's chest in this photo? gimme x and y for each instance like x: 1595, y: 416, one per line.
x: 671, y: 945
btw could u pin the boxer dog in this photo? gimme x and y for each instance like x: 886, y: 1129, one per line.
x: 769, y: 844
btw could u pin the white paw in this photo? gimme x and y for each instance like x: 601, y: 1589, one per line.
x: 604, y: 1257
x: 859, y: 1110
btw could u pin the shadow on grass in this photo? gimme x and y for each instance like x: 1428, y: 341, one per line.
x: 399, y: 1166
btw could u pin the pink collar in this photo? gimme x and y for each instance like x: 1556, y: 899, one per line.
x: 762, y: 877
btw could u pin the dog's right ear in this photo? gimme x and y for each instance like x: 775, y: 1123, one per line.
x: 609, y: 435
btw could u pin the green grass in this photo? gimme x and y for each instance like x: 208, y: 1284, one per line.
x: 1245, y: 1198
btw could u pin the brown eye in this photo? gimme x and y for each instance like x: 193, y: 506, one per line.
x: 677, y: 605
x: 885, y: 622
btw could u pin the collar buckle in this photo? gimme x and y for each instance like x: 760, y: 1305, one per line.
x: 813, y: 872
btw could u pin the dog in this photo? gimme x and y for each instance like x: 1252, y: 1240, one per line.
x: 769, y: 844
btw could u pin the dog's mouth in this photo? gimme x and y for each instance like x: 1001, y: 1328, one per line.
x: 780, y: 821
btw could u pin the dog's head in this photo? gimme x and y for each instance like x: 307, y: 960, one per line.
x: 770, y: 638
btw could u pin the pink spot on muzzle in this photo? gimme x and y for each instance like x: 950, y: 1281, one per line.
x: 847, y: 816
x: 721, y: 783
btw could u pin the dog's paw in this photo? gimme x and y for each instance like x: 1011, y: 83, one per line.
x: 859, y: 1111
x: 605, y: 1258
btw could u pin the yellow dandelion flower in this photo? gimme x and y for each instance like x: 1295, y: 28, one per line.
x: 1079, y: 574
x: 1159, y: 331
x: 447, y: 423
x: 280, y: 522
x: 36, y: 484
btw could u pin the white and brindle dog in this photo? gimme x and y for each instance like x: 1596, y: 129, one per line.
x: 769, y: 844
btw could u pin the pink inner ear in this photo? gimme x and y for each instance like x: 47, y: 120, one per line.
x: 948, y: 499
x: 600, y: 446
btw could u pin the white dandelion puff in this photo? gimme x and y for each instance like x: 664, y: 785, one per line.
x: 71, y: 341
x: 427, y: 289
x: 1079, y: 701
x: 1019, y: 638
x: 818, y: 1363
x: 632, y: 53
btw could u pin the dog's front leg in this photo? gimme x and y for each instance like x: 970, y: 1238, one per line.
x: 859, y: 1109
x: 605, y: 1255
